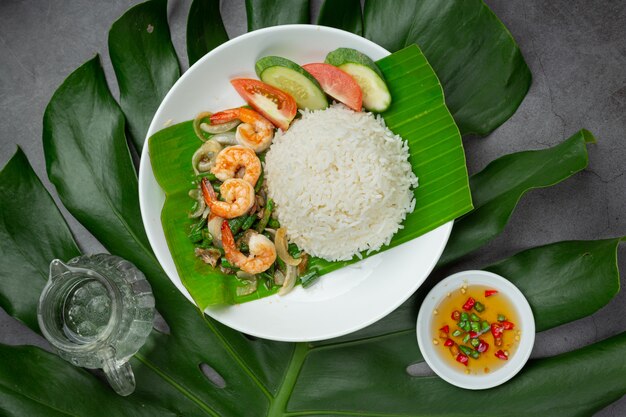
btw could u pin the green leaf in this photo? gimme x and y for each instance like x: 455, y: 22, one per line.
x: 25, y: 256
x: 264, y: 13
x: 37, y: 383
x: 342, y: 14
x: 336, y: 380
x: 479, y: 64
x: 205, y: 29
x: 564, y: 270
x: 89, y: 163
x: 497, y: 189
x: 145, y: 63
x: 417, y: 113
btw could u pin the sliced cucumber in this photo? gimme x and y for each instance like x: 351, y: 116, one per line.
x: 291, y: 78
x: 376, y: 96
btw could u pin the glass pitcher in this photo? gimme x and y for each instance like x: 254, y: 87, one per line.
x: 97, y: 311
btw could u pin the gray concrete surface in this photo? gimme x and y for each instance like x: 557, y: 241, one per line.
x: 576, y: 50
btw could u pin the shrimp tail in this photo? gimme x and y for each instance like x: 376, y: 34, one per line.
x: 207, y: 192
x: 224, y: 116
x: 228, y: 242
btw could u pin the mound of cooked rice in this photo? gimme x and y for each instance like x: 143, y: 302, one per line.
x: 341, y: 182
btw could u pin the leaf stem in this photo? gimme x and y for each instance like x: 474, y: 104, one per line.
x: 278, y: 406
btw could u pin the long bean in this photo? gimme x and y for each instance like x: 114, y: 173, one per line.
x: 248, y: 222
x: 236, y: 223
x: 266, y: 216
x: 195, y: 233
x: 259, y: 182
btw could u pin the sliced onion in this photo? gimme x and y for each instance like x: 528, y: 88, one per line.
x: 204, y: 158
x: 201, y: 205
x: 290, y: 280
x: 249, y: 288
x: 246, y: 276
x: 280, y: 241
x: 215, y: 228
x: 226, y: 138
x: 279, y: 277
x: 220, y: 128
x: 199, y: 120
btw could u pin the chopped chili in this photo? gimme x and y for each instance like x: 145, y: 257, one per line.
x: 469, y: 304
x: 456, y: 314
x: 489, y: 293
x: 445, y: 329
x: 462, y: 359
x: 508, y: 325
x: 448, y: 342
x: 496, y: 330
x: 482, y: 346
x: 500, y: 355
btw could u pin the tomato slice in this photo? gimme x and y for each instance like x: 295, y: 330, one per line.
x: 338, y: 84
x: 277, y: 106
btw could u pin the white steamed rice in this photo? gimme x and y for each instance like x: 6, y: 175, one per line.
x: 341, y: 182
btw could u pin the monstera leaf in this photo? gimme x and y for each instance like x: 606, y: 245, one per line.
x: 359, y: 375
x: 200, y: 367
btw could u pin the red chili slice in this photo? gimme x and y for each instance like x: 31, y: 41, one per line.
x: 462, y: 359
x: 507, y: 325
x: 496, y: 330
x: 456, y: 314
x: 473, y: 335
x: 482, y: 346
x: 469, y: 304
x: 500, y: 355
x: 489, y: 293
x: 448, y: 342
x: 445, y: 329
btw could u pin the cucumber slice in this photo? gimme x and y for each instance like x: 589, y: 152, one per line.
x: 376, y: 96
x: 291, y: 78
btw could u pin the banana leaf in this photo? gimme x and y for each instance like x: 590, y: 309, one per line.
x: 145, y: 64
x: 356, y: 377
x: 342, y: 14
x: 417, y: 113
x: 497, y: 189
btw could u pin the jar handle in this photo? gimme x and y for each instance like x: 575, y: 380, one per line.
x: 119, y: 375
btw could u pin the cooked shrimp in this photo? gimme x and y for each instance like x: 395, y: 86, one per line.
x: 238, y: 198
x: 255, y: 132
x: 233, y: 158
x: 262, y: 252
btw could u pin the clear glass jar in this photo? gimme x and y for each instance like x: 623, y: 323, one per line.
x: 97, y: 311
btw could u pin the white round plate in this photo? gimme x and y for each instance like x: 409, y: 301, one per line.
x: 341, y: 302
x: 453, y: 375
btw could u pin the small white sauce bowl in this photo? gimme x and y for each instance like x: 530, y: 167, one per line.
x: 452, y: 374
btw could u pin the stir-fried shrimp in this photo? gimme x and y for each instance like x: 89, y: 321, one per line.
x: 262, y: 252
x: 238, y: 196
x: 234, y: 158
x: 255, y: 131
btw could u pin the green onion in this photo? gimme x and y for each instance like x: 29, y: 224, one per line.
x: 273, y: 224
x: 466, y: 338
x: 464, y: 317
x: 457, y: 333
x: 475, y: 327
x: 266, y: 216
x: 195, y: 234
x: 480, y: 307
x: 309, y: 279
x: 485, y: 326
x: 293, y: 250
x: 474, y: 317
x: 501, y: 317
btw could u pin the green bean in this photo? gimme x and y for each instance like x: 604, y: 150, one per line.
x: 259, y: 182
x: 195, y: 233
x: 248, y: 222
x: 236, y: 223
x: 266, y: 216
x: 294, y: 250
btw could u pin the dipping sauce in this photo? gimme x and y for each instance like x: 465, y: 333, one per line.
x: 476, y: 328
